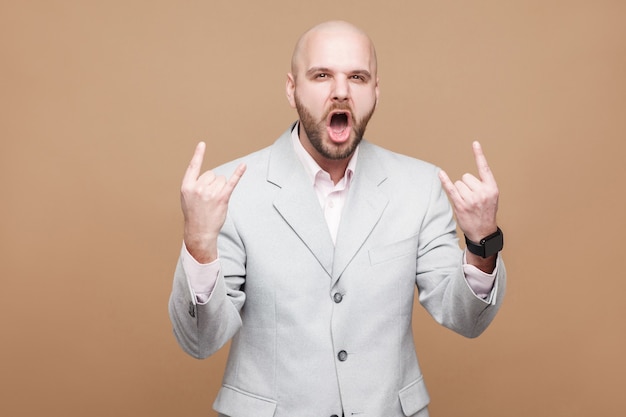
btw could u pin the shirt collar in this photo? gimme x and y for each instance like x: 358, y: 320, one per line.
x: 313, y: 170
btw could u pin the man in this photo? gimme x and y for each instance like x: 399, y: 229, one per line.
x: 310, y: 260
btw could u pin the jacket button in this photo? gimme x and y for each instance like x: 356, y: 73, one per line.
x: 192, y: 309
x: 337, y: 297
x: 342, y: 355
x: 334, y: 415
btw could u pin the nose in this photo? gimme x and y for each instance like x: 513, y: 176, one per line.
x: 341, y: 89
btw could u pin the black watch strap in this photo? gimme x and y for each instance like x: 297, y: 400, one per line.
x: 487, y: 246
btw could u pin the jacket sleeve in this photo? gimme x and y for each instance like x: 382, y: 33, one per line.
x: 443, y: 289
x: 202, y: 329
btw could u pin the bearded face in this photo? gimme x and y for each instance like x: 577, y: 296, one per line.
x: 334, y: 87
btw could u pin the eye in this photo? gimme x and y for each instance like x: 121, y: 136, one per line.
x: 321, y: 75
x: 358, y: 77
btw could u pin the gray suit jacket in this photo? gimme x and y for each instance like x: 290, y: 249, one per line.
x: 319, y: 328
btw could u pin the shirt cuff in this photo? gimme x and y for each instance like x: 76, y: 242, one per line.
x: 201, y: 277
x: 481, y: 283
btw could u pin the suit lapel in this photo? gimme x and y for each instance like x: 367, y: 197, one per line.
x: 298, y: 205
x: 297, y: 202
x: 362, y: 211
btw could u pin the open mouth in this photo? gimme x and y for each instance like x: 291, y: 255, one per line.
x: 339, y: 125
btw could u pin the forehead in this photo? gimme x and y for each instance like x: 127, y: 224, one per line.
x: 339, y: 50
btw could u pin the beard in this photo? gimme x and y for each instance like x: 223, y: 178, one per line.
x: 316, y: 131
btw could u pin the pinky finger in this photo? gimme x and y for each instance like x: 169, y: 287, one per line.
x: 234, y: 179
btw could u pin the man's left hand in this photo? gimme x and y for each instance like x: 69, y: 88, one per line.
x: 474, y: 200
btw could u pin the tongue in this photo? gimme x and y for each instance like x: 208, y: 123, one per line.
x: 339, y: 129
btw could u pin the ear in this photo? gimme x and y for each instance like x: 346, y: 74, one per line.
x: 377, y: 93
x: 290, y: 89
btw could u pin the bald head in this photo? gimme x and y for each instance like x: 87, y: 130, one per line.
x: 329, y: 32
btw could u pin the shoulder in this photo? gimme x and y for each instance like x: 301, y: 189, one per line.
x: 254, y: 161
x: 396, y: 164
x: 257, y: 162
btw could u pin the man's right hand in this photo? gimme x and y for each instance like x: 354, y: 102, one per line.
x: 204, y: 200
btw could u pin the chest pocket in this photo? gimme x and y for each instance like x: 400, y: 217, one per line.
x: 394, y: 251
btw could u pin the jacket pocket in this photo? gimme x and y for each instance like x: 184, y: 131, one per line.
x: 393, y: 251
x: 414, y: 397
x: 235, y: 402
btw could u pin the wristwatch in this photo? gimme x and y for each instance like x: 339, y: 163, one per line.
x: 487, y: 246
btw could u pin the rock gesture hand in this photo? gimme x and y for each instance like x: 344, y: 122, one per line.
x: 204, y: 201
x: 474, y: 200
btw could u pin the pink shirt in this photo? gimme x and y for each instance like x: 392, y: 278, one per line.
x: 332, y: 197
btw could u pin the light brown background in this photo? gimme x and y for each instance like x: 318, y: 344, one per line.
x: 102, y: 103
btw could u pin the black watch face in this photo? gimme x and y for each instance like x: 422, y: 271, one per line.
x: 494, y: 245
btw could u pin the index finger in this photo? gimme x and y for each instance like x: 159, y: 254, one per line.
x: 193, y: 170
x: 484, y: 172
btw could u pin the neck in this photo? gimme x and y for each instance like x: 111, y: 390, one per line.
x: 336, y: 168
